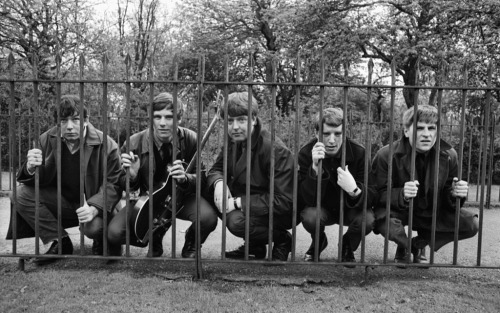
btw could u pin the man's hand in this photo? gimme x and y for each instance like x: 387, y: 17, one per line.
x: 35, y: 158
x: 318, y: 153
x: 132, y: 162
x: 459, y: 188
x: 230, y: 205
x: 86, y: 213
x: 345, y: 180
x: 218, y: 195
x: 410, y: 189
x: 177, y: 172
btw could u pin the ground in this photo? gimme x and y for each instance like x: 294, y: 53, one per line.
x: 130, y: 285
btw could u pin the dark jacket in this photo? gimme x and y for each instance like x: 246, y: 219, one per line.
x: 260, y: 175
x: 139, y: 145
x: 401, y: 163
x: 330, y: 190
x: 93, y: 169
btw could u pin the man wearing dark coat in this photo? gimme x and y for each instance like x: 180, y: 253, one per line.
x: 334, y: 181
x: 237, y: 171
x: 421, y: 189
x: 164, y: 163
x: 72, y: 213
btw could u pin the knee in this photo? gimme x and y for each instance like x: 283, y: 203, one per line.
x: 370, y: 223
x: 114, y: 235
x: 474, y: 228
x: 25, y: 195
x: 235, y: 222
x: 93, y: 229
x: 308, y: 218
x: 208, y: 218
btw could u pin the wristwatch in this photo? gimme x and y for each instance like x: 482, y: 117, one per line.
x: 354, y: 193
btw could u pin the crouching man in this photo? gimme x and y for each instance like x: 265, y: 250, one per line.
x: 421, y: 189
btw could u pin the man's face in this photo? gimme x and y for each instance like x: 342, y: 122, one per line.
x: 426, y: 136
x: 163, y: 122
x: 332, y: 139
x: 237, y: 127
x: 70, y: 127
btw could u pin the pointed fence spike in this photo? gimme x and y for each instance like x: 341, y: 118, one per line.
x: 105, y: 59
x: 11, y: 59
x: 35, y: 65
x: 81, y: 60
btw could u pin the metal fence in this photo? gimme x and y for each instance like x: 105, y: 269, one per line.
x: 473, y: 138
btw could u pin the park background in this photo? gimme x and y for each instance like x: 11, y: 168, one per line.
x: 428, y: 43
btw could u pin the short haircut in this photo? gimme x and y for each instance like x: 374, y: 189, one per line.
x: 331, y: 116
x: 237, y: 105
x: 425, y: 114
x: 70, y: 106
x: 165, y: 100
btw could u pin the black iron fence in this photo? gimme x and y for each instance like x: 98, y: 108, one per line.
x: 119, y: 112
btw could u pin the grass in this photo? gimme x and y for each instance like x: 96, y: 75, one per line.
x: 134, y: 288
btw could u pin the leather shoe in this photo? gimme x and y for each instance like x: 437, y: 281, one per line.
x: 348, y: 254
x: 254, y: 250
x: 323, y: 242
x: 67, y: 248
x: 189, y: 249
x: 282, y: 248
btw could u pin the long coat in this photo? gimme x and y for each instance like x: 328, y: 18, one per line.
x: 94, y: 156
x: 401, y: 169
x: 260, y: 176
x: 330, y: 190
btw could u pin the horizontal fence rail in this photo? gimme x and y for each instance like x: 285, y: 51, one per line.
x: 116, y: 110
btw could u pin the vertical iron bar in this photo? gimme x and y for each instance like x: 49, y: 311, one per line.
x: 36, y: 115
x: 128, y: 63
x: 272, y: 166
x: 104, y: 152
x: 412, y: 166
x: 483, y: 170
x: 435, y: 174
x: 296, y: 156
x: 320, y: 163
x: 151, y: 157
x: 201, y: 80
x: 224, y: 158
x: 248, y: 156
x: 343, y: 160
x: 81, y: 151
x: 460, y: 160
x: 12, y: 148
x: 367, y: 161
x: 391, y: 153
x: 175, y: 139
x: 58, y: 158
